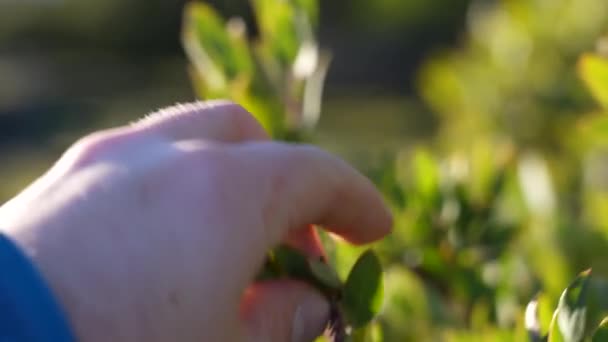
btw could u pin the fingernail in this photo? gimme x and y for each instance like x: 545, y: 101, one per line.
x: 310, y: 319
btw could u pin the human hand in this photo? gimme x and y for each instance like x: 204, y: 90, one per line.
x: 155, y: 231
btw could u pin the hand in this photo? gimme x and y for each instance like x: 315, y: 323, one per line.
x: 155, y: 231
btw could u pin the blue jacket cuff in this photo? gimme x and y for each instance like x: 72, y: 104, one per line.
x: 28, y: 310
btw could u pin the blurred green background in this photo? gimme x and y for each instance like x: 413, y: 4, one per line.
x: 483, y: 122
x: 68, y: 67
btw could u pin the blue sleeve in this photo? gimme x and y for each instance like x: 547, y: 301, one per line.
x: 28, y: 311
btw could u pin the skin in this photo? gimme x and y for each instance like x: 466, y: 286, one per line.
x: 156, y: 230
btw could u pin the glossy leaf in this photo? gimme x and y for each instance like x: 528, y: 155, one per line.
x: 285, y: 261
x: 325, y: 274
x: 555, y: 334
x: 363, y: 291
x: 601, y: 334
x: 571, y: 313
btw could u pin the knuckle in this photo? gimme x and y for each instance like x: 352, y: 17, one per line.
x: 209, y: 157
x: 90, y: 147
x: 245, y: 124
x: 306, y: 154
x: 211, y: 162
x: 97, y: 146
x: 307, y: 150
x: 215, y: 171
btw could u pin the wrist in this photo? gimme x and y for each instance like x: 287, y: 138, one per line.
x: 29, y: 309
x: 72, y: 272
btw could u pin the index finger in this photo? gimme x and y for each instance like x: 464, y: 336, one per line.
x: 215, y: 120
x: 303, y: 185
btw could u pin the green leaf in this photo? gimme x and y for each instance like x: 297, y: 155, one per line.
x: 226, y: 48
x: 601, y: 334
x: 291, y: 262
x: 555, y: 335
x: 276, y: 20
x: 223, y: 65
x: 265, y: 109
x: 269, y: 271
x: 288, y: 262
x: 216, y: 58
x: 368, y: 333
x: 426, y: 174
x: 363, y: 291
x: 204, y: 40
x: 310, y: 8
x: 325, y: 274
x: 571, y: 314
x: 593, y: 70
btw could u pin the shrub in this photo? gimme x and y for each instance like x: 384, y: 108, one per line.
x: 497, y: 213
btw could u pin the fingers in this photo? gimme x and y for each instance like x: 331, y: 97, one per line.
x: 211, y: 120
x: 284, y: 310
x: 308, y: 186
x: 216, y: 121
x: 307, y: 241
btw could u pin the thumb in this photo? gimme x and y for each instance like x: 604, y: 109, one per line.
x: 283, y: 310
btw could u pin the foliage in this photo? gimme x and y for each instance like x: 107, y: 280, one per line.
x: 573, y: 320
x: 514, y: 75
x: 362, y: 297
x: 355, y: 302
x: 508, y: 200
x: 277, y: 77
